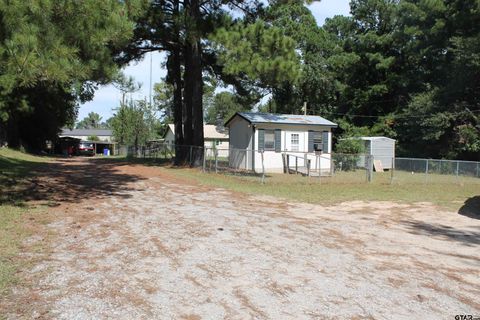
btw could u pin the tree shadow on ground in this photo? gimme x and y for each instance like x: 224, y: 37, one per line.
x: 69, y: 180
x: 471, y: 208
x: 466, y: 237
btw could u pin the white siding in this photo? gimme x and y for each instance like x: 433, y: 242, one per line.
x: 273, y: 161
x: 222, y: 146
x: 170, y: 137
x: 383, y: 149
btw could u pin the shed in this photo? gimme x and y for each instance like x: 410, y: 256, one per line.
x: 381, y: 148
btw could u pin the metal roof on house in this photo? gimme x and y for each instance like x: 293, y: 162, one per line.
x: 256, y: 117
x: 210, y: 131
x: 85, y: 132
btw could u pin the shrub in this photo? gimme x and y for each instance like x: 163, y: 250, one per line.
x: 348, y: 152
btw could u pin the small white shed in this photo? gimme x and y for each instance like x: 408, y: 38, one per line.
x: 381, y: 148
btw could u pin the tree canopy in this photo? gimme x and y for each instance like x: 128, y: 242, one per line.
x: 53, y: 54
x: 408, y: 69
x: 92, y: 121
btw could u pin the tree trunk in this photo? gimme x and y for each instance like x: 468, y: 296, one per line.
x: 188, y: 95
x: 197, y: 105
x: 13, y: 136
x: 197, y: 94
x: 177, y: 107
x: 194, y: 82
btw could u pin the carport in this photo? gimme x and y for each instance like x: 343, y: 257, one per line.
x: 101, y: 145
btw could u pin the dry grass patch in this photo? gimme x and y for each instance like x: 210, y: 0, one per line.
x: 442, y: 192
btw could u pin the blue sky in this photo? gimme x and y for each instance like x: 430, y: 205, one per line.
x: 107, y: 97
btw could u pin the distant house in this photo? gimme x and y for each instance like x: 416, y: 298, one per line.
x: 105, y: 138
x: 307, y: 137
x: 214, y: 136
x: 83, y: 134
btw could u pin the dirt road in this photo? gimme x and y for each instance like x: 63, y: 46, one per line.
x: 133, y: 242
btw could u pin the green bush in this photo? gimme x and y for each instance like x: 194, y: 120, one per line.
x: 347, y: 154
x: 93, y: 138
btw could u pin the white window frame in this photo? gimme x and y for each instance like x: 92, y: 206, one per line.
x: 295, y: 143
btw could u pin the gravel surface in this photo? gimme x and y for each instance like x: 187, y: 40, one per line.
x: 163, y: 248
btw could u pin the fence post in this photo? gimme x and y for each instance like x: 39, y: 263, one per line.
x: 367, y: 166
x: 370, y: 168
x: 204, y: 158
x: 263, y: 169
x: 332, y: 164
x: 296, y: 165
x: 426, y: 171
x: 288, y: 163
x: 308, y: 167
x: 246, y: 161
x: 216, y: 160
x: 191, y: 150
x: 458, y: 165
x: 477, y: 168
x: 391, y: 170
x: 318, y: 166
x: 305, y: 161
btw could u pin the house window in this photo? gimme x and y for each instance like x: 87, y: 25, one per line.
x: 269, y: 139
x: 294, y: 141
x: 317, y: 141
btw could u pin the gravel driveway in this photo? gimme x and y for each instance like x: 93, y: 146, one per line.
x: 163, y: 248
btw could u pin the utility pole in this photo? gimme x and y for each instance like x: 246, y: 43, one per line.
x: 150, y: 95
x: 305, y: 108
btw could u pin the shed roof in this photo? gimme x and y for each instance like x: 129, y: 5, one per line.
x: 257, y: 117
x: 374, y: 138
x: 210, y: 131
x: 85, y: 132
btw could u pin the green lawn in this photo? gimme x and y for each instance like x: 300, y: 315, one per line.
x: 15, y: 168
x: 445, y: 191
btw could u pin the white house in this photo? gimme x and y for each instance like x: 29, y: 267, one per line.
x: 279, y: 135
x: 214, y: 136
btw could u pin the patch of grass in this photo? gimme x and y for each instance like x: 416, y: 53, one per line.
x: 11, y: 233
x: 347, y: 186
x: 15, y: 168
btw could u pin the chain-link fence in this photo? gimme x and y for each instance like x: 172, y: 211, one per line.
x: 411, y: 170
x: 330, y: 168
x: 327, y: 168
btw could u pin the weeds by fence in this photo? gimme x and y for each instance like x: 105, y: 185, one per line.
x: 327, y: 168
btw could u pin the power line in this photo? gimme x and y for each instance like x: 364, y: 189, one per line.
x: 394, y: 116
